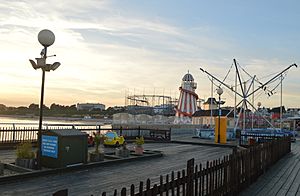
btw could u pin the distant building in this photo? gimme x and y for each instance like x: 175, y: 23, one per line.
x: 137, y: 109
x: 293, y: 111
x: 212, y: 104
x: 119, y: 108
x: 164, y: 109
x: 204, y: 117
x: 90, y: 106
x: 275, y: 112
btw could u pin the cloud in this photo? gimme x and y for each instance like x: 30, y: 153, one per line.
x: 104, y: 49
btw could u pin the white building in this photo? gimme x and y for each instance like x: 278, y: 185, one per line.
x: 90, y: 106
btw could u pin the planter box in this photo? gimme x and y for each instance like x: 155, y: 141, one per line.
x: 95, y: 157
x: 27, y: 163
x: 122, y: 152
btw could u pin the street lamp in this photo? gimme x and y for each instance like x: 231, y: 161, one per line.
x: 46, y: 38
x: 220, y: 92
x: 258, y: 120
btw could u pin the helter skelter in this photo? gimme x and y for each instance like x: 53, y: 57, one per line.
x: 187, y: 103
x: 247, y: 89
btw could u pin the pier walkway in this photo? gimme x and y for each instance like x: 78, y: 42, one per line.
x: 107, y: 178
x: 281, y: 179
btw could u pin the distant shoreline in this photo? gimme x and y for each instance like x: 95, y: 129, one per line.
x: 51, y: 118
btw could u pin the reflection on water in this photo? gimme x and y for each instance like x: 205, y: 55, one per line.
x: 19, y: 122
x: 27, y: 127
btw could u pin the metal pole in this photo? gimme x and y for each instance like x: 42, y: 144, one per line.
x: 244, y: 111
x: 281, y: 78
x: 234, y: 113
x: 294, y: 129
x: 211, y: 101
x: 219, y: 124
x: 252, y: 104
x: 39, y: 142
x: 258, y: 120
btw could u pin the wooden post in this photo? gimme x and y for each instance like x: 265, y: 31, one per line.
x: 196, y: 180
x: 139, y: 129
x: 161, y: 184
x: 1, y: 168
x: 132, y: 190
x: 99, y: 129
x: 190, y: 172
x: 63, y: 192
x: 178, y: 183
x: 173, y: 182
x: 141, y: 188
x: 123, y: 192
x: 14, y: 132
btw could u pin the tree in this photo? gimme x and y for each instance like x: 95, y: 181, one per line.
x: 33, y: 106
x: 53, y: 106
x: 73, y: 107
x: 3, y: 107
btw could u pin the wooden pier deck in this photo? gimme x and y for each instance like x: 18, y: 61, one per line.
x: 107, y: 178
x: 281, y: 179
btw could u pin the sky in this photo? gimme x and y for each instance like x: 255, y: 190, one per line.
x: 109, y: 48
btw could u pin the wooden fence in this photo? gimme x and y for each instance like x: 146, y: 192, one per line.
x: 18, y: 135
x: 227, y: 176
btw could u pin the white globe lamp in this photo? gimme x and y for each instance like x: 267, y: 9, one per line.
x: 46, y: 37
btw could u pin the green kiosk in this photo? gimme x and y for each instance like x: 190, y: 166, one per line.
x: 63, y: 148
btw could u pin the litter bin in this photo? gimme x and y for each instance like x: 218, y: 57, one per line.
x: 63, y: 148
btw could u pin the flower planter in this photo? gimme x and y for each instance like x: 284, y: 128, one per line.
x: 139, y: 150
x: 95, y: 157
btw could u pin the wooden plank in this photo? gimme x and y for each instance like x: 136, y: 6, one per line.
x: 97, y: 180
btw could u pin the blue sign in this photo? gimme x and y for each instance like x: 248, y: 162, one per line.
x: 49, y: 146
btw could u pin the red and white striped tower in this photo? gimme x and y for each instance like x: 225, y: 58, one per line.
x: 187, y: 103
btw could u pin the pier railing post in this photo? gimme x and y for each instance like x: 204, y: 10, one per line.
x: 14, y: 132
x: 139, y: 133
x: 99, y: 129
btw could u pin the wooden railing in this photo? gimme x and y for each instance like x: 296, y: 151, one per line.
x: 17, y: 135
x: 228, y: 176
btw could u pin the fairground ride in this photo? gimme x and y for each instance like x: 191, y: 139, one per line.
x: 244, y: 88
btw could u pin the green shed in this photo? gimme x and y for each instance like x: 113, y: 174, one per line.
x: 63, y: 148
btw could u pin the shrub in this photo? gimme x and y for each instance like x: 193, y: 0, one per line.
x: 139, y: 140
x: 24, y: 151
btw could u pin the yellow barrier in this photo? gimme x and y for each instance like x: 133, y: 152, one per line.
x: 223, y: 128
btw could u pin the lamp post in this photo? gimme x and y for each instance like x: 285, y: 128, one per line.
x: 46, y: 38
x: 220, y: 92
x: 258, y: 120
